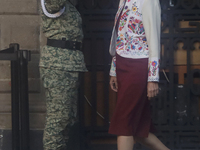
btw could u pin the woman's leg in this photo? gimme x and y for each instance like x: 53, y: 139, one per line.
x: 125, y: 142
x: 152, y: 142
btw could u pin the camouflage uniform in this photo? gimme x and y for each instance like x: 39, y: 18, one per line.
x: 59, y: 69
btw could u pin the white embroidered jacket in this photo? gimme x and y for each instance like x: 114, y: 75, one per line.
x: 138, y: 34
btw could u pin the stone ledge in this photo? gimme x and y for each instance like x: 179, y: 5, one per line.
x: 22, y: 6
x: 37, y: 120
x: 34, y: 85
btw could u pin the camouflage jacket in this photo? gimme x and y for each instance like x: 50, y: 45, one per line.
x: 69, y: 26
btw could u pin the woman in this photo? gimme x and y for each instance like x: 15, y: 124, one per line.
x: 135, y: 47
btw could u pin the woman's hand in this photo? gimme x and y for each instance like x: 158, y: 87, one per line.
x: 152, y: 89
x: 113, y: 83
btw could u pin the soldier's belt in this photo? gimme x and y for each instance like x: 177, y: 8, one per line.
x: 73, y: 45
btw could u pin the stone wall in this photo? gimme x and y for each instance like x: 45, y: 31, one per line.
x: 20, y: 23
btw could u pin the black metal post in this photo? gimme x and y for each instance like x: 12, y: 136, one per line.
x: 81, y: 112
x: 24, y: 99
x: 15, y: 100
x: 19, y: 95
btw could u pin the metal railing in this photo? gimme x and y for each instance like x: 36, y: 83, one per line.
x: 19, y: 95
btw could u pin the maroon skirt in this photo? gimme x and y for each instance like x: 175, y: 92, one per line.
x: 132, y: 113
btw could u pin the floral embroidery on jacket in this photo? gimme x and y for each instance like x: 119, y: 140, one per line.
x: 135, y: 9
x: 153, y: 69
x: 113, y: 67
x: 120, y: 44
x: 123, y: 19
x: 131, y: 40
x: 136, y: 26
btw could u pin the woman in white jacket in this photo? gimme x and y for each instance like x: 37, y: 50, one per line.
x: 135, y: 47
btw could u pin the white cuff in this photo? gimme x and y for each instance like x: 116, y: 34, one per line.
x: 113, y: 67
x: 153, y: 73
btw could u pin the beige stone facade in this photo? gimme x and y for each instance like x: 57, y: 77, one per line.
x: 20, y: 23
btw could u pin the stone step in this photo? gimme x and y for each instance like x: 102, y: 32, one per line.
x: 37, y: 120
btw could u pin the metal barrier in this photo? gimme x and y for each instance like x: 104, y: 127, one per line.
x: 19, y: 95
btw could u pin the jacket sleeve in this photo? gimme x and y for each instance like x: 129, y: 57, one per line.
x: 113, y: 67
x: 54, y: 6
x: 151, y: 13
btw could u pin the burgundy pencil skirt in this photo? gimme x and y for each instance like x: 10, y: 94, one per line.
x: 132, y: 115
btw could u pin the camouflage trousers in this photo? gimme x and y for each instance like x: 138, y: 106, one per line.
x: 61, y: 89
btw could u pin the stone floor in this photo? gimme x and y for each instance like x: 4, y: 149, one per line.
x: 74, y: 142
x: 36, y: 139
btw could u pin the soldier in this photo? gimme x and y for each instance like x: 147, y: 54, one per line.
x: 60, y: 63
